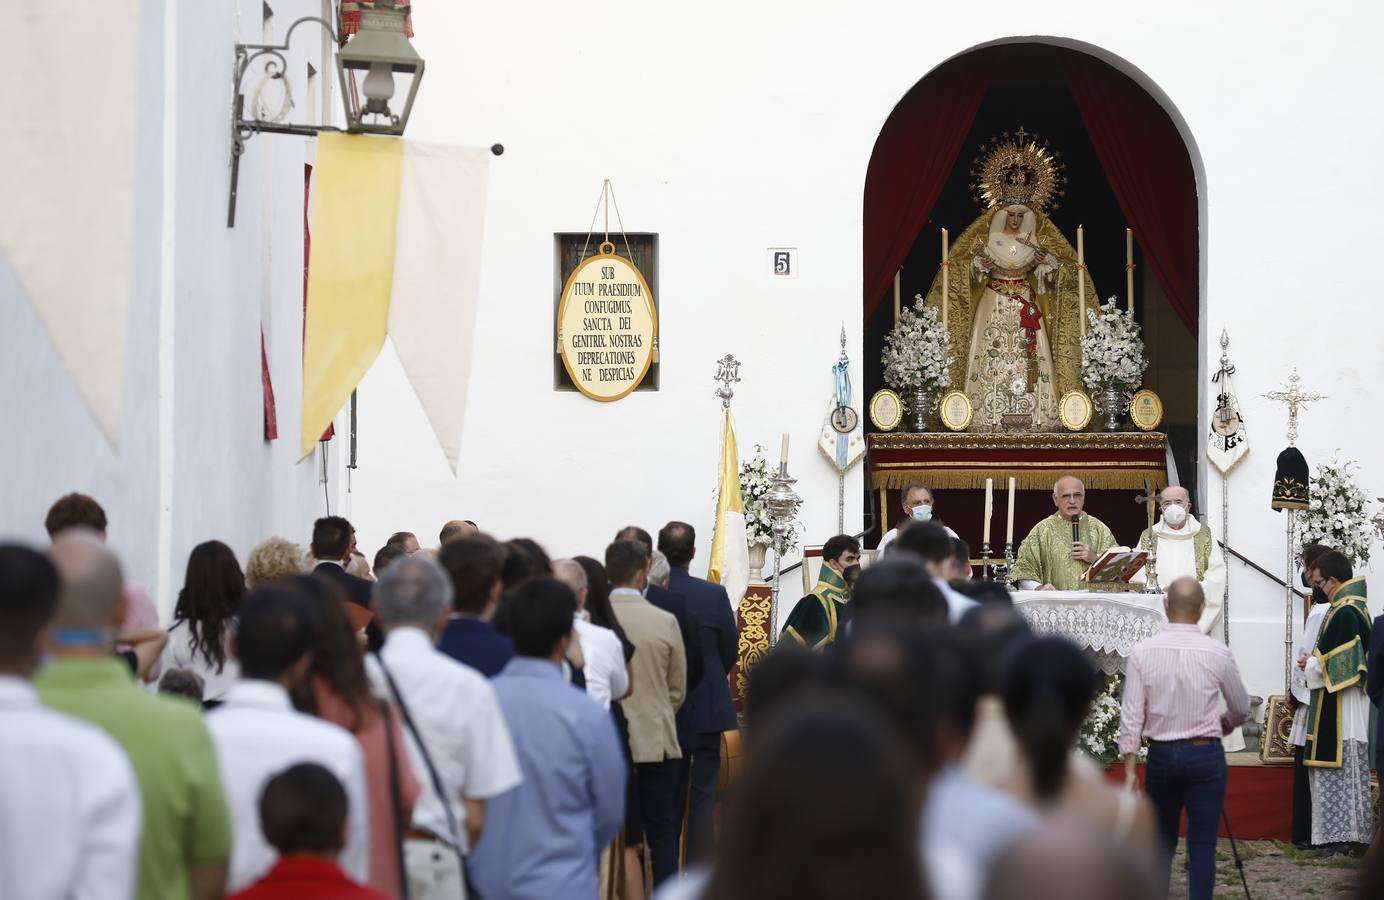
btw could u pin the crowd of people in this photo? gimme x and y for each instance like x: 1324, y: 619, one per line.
x: 477, y: 719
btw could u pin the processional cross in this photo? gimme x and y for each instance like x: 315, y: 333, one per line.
x: 1295, y: 397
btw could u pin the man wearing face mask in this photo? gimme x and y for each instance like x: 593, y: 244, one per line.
x: 816, y: 619
x: 1187, y: 547
x: 917, y: 504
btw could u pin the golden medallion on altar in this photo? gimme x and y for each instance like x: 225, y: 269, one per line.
x: 886, y: 410
x: 1075, y: 410
x: 955, y: 411
x: 607, y: 326
x: 1146, y: 410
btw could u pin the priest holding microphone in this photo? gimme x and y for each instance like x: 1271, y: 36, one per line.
x: 1060, y: 548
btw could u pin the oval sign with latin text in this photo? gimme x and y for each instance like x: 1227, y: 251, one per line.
x: 607, y: 326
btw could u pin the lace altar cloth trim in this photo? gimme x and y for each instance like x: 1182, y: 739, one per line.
x: 1105, y: 625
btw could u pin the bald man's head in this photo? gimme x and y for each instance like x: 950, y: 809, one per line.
x: 1175, y: 492
x: 1185, y: 600
x: 92, y: 584
x: 1040, y: 867
x: 1069, y: 496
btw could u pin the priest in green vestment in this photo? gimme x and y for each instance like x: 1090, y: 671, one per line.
x: 1337, y: 751
x: 816, y: 619
x: 1048, y: 558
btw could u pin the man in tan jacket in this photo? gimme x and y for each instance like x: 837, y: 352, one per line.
x: 660, y: 683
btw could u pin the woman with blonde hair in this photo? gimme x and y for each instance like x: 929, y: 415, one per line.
x: 272, y: 559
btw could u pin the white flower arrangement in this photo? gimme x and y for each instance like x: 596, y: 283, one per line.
x: 1112, y: 353
x: 917, y: 351
x: 1335, y: 517
x: 1099, y: 737
x: 756, y: 480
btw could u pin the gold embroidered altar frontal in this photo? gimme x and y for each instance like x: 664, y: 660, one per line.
x: 1103, y: 461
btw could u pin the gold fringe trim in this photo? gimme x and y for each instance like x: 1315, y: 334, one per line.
x: 1098, y: 478
x: 937, y: 440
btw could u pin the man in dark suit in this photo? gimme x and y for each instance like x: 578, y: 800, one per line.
x: 473, y: 563
x: 331, y: 547
x: 708, y: 709
x: 670, y: 601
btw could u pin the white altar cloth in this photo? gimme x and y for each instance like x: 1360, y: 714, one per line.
x: 1105, y: 625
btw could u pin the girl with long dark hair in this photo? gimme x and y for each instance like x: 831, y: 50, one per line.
x: 1048, y: 687
x: 338, y: 690
x: 204, y: 618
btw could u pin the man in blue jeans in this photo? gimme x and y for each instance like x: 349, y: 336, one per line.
x: 1173, y: 687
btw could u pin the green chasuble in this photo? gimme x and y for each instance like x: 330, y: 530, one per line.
x: 1045, y: 556
x: 1341, y: 650
x: 814, y: 620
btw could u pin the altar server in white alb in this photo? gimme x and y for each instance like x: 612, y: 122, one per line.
x: 917, y: 506
x: 1187, y: 547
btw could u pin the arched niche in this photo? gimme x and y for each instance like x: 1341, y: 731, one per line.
x: 1098, y: 110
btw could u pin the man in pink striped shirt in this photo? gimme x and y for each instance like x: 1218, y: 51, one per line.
x: 1173, y: 687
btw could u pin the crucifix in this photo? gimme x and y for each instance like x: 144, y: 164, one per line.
x: 1295, y: 397
x: 1150, y: 500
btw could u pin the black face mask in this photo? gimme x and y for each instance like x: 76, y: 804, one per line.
x: 849, y: 575
x: 1319, y: 595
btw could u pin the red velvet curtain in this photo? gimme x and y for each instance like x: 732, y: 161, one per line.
x: 1149, y: 171
x: 913, y: 158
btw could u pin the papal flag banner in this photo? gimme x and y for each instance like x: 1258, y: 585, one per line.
x: 730, y: 553
x: 396, y: 243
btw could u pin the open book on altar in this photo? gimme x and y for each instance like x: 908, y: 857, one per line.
x: 1118, y: 564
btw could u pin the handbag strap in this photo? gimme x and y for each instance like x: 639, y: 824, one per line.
x: 454, y: 833
x: 396, y: 802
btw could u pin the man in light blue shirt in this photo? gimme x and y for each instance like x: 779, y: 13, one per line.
x: 542, y: 839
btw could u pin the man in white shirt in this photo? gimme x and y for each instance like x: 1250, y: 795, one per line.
x: 258, y: 734
x: 607, y: 673
x: 933, y: 544
x: 69, y: 803
x: 461, y: 733
x: 917, y: 503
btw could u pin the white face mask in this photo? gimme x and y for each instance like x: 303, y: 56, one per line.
x: 922, y: 512
x: 1175, y: 515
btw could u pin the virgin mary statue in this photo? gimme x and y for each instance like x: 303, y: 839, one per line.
x: 1012, y: 292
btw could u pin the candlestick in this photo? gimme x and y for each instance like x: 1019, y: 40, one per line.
x: 989, y: 507
x: 946, y: 277
x: 783, y: 452
x: 1129, y: 267
x: 1081, y: 275
x: 896, y: 296
x: 1009, y: 527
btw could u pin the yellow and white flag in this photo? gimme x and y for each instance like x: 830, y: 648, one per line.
x: 730, y: 552
x: 396, y: 243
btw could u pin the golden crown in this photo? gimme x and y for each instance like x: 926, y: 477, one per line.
x: 1018, y: 168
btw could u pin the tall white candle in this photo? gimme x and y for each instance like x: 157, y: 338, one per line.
x: 783, y: 451
x: 1009, y: 527
x: 1129, y: 267
x: 946, y: 277
x: 989, y: 507
x: 1081, y: 276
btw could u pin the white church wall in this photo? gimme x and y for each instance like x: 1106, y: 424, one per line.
x: 747, y: 126
x: 191, y: 462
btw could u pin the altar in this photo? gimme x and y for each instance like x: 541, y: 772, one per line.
x: 1113, y: 466
x: 1107, y: 626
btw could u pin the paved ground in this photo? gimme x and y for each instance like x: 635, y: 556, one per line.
x: 1276, y: 871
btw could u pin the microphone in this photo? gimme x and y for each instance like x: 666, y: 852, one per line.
x: 1076, y: 528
